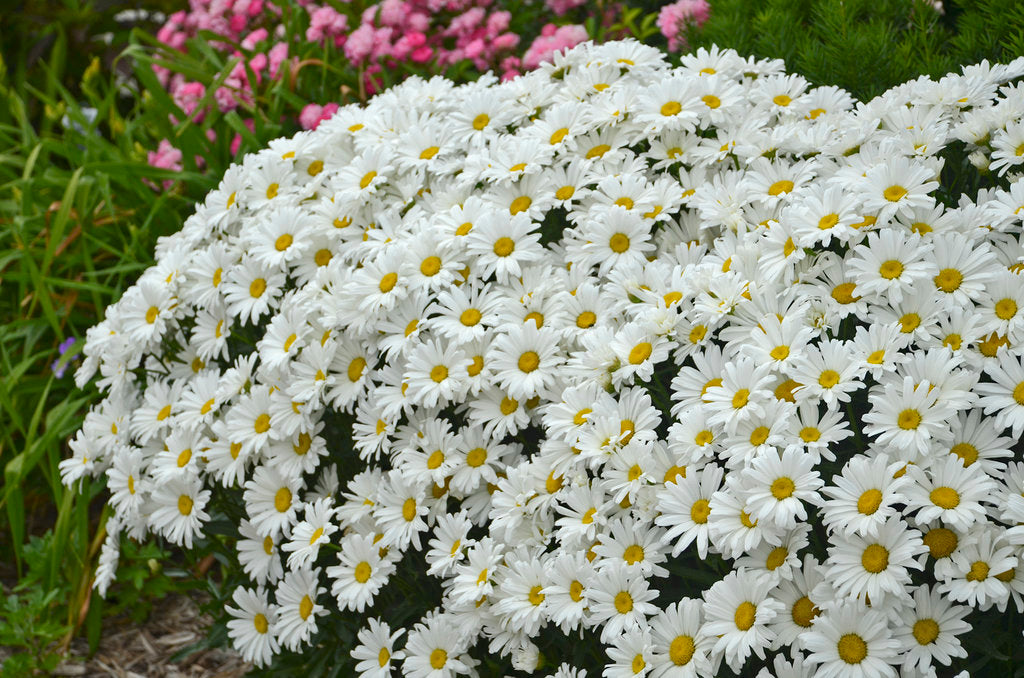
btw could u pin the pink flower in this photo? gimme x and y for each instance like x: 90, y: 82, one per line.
x: 360, y: 43
x: 549, y: 42
x: 674, y: 19
x: 257, y: 36
x: 561, y: 7
x: 422, y: 55
x: 187, y: 97
x: 392, y: 12
x: 474, y: 49
x: 309, y: 118
x: 166, y: 157
x: 278, y: 53
x: 326, y: 23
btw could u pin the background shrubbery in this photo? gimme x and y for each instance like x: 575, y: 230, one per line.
x: 86, y: 190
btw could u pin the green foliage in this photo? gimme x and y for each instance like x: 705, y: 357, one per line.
x: 867, y: 46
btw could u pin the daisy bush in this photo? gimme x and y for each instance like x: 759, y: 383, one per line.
x: 611, y: 369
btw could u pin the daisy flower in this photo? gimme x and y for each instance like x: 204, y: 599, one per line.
x: 928, y: 630
x: 875, y: 565
x: 737, y: 610
x: 525, y: 360
x: 863, y: 495
x: 620, y: 599
x: 297, y: 608
x: 852, y: 641
x: 776, y: 486
x: 949, y: 491
x: 400, y: 510
x: 907, y: 419
x: 897, y: 186
x: 376, y: 649
x: 681, y: 648
x: 253, y: 631
x: 177, y: 509
x: 432, y: 650
x: 891, y: 263
x: 360, y: 573
x: 1004, y: 395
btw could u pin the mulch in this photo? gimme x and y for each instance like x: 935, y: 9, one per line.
x: 132, y: 650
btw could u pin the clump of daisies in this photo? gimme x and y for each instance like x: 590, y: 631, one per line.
x: 676, y: 367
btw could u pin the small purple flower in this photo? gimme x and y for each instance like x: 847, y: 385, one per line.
x: 57, y: 367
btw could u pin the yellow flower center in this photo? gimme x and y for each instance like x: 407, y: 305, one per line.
x: 367, y: 178
x: 558, y: 135
x: 909, y: 419
x: 586, y: 319
x: 257, y: 287
x: 681, y: 650
x: 260, y: 622
x: 388, y: 282
x: 623, y: 602
x: 438, y: 373
x: 776, y: 558
x: 438, y: 657
x: 828, y: 378
x: 480, y: 121
x: 355, y: 368
x: 409, y: 510
x: 283, y: 499
x: 529, y: 361
x: 804, y: 612
x: 783, y: 488
x: 430, y: 266
x: 1006, y: 309
x: 810, y: 434
x: 520, y: 204
x: 470, y: 317
x: 894, y: 193
x: 875, y: 558
x: 184, y: 505
x: 852, y: 648
x: 739, y: 400
x: 476, y: 457
x: 283, y: 242
x: 711, y: 101
x: 700, y: 511
x: 780, y: 187
x: 945, y: 497
x: 926, y: 631
x: 890, y: 269
x: 869, y: 501
x: 843, y: 293
x: 504, y: 246
x: 508, y: 405
x: 262, y: 423
x: 745, y: 615
x: 363, y: 572
x: 979, y: 571
x: 640, y: 353
x: 619, y: 243
x: 948, y: 280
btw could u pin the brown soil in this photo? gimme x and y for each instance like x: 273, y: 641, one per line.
x: 130, y: 650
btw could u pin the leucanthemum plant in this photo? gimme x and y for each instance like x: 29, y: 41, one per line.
x: 656, y: 371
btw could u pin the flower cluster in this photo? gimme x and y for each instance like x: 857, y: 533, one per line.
x: 701, y: 362
x: 675, y: 19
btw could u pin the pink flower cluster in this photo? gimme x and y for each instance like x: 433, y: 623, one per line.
x: 386, y: 35
x: 674, y: 19
x: 553, y: 39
